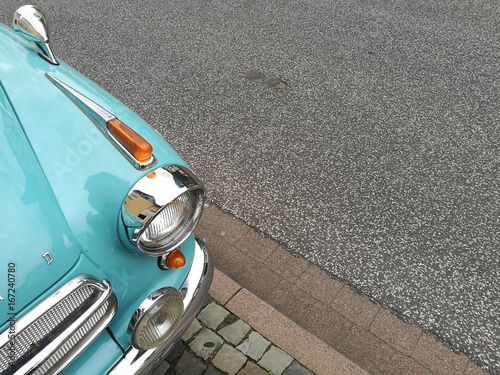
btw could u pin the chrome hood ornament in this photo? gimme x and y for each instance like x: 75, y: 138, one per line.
x: 30, y: 22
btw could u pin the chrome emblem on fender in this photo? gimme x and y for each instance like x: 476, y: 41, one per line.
x: 48, y: 257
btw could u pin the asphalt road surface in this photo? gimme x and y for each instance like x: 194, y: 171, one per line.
x: 362, y: 134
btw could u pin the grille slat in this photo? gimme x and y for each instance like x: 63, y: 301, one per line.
x: 53, y: 333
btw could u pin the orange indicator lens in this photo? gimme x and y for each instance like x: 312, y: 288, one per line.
x: 175, y: 259
x: 137, y: 146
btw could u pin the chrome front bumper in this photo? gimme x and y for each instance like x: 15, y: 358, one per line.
x: 195, y: 289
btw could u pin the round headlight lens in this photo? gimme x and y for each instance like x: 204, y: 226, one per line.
x: 171, y: 224
x: 161, y: 210
x: 157, y: 319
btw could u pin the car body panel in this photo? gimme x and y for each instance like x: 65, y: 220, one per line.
x: 27, y: 201
x: 74, y: 154
x: 70, y: 183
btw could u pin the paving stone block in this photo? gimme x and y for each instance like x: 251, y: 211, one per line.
x: 319, y: 285
x: 438, y: 357
x: 394, y: 331
x: 211, y: 370
x: 252, y: 369
x: 213, y: 315
x: 403, y: 365
x: 261, y: 280
x: 286, y: 265
x: 240, y: 266
x: 297, y: 369
x: 229, y: 228
x: 162, y: 369
x: 229, y: 360
x: 328, y: 325
x: 235, y: 332
x: 206, y: 344
x: 473, y: 369
x: 175, y: 352
x: 275, y: 360
x: 291, y: 301
x: 255, y: 346
x: 358, y: 308
x: 194, y: 328
x: 256, y: 246
x: 210, y: 215
x: 367, y: 350
x: 189, y: 364
x: 223, y: 288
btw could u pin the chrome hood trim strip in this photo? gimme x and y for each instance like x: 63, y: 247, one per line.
x: 100, y: 117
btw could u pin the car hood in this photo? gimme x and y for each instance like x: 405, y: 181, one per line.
x: 62, y: 183
x: 37, y: 247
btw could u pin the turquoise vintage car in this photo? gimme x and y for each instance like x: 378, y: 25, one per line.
x: 100, y: 272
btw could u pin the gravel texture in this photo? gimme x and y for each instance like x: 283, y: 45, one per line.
x: 364, y: 135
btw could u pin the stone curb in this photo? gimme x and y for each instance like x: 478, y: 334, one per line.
x: 280, y: 330
x: 267, y: 287
x: 218, y: 343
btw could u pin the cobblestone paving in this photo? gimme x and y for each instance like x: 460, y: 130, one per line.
x: 218, y: 343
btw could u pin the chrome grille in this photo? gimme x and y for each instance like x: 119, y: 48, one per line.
x: 53, y: 333
x: 72, y: 341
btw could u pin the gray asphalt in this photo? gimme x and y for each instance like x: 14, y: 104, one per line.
x: 376, y: 155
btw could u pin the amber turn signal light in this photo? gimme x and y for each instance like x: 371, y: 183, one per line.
x: 137, y: 146
x: 175, y: 259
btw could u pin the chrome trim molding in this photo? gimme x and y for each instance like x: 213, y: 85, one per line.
x: 195, y: 290
x: 149, y: 196
x: 78, y: 311
x: 31, y: 24
x: 100, y: 117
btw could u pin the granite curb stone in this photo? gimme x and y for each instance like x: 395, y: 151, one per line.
x: 363, y: 331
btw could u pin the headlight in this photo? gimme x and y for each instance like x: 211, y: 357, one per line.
x: 162, y: 209
x: 156, y: 320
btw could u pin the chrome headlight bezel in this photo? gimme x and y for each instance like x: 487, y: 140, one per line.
x: 169, y: 197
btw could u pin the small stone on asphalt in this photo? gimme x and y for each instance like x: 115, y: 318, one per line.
x: 277, y: 84
x: 255, y: 76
